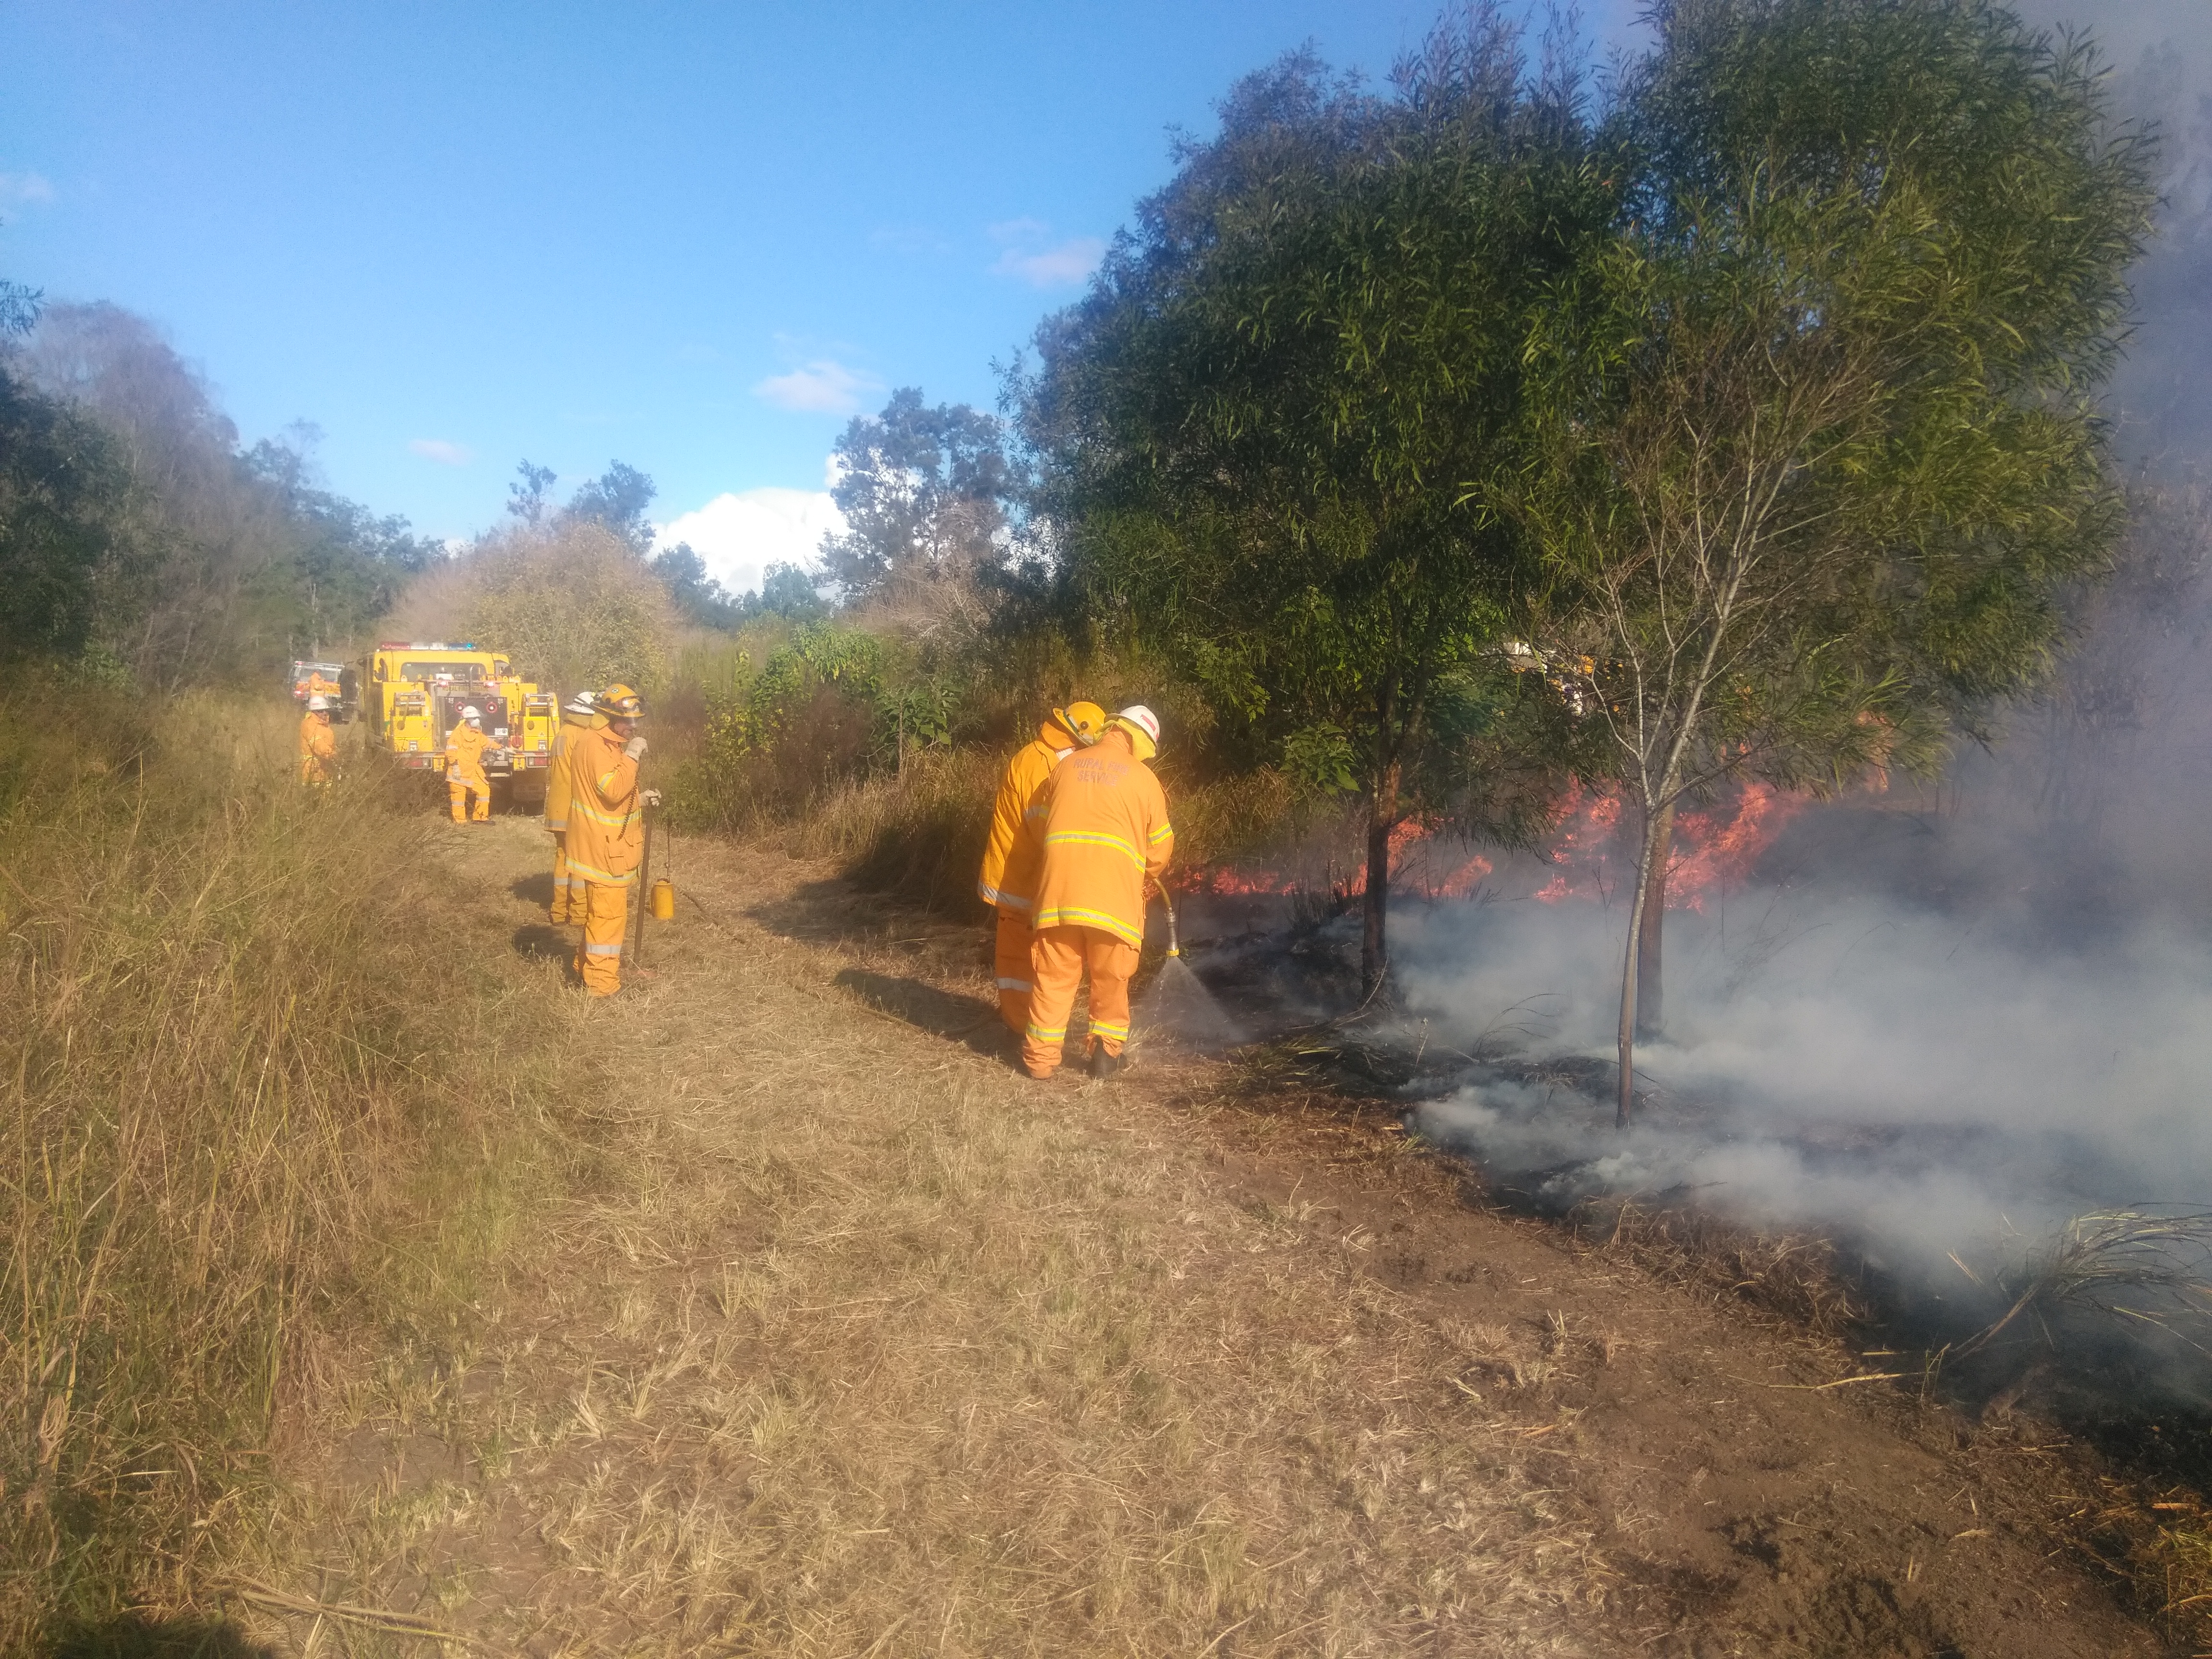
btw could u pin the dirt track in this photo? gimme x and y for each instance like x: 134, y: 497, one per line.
x: 858, y: 1343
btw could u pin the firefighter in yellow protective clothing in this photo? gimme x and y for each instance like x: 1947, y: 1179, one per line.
x: 606, y: 837
x: 576, y: 718
x: 319, y: 744
x: 1100, y: 827
x: 464, y: 747
x: 1008, y: 879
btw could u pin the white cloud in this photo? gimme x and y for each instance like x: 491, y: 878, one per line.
x: 1032, y: 257
x: 26, y: 188
x: 442, y: 451
x: 824, y: 387
x: 739, y: 535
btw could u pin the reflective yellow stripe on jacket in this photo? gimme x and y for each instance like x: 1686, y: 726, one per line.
x: 1100, y: 825
x: 605, y: 834
x: 556, y: 770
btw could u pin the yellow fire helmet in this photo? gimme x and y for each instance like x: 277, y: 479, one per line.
x: 619, y: 702
x: 1144, y: 729
x: 1084, y: 721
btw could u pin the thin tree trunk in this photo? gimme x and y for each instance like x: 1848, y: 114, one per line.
x: 1625, y: 1106
x: 1650, y: 986
x: 1382, y: 819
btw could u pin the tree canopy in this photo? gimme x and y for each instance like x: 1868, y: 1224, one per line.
x: 1819, y: 451
x: 1281, y: 428
x: 138, y: 527
x: 924, y: 493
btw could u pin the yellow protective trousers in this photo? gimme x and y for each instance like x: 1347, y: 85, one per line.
x: 1010, y: 962
x: 568, y: 896
x: 1058, y: 957
x: 457, y: 793
x: 606, y: 919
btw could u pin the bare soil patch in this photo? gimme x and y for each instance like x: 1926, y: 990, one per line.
x: 860, y: 1343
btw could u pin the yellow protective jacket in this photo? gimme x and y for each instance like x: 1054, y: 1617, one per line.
x: 318, y: 747
x: 465, y: 747
x: 605, y: 835
x: 556, y: 770
x: 1100, y: 825
x: 1008, y: 878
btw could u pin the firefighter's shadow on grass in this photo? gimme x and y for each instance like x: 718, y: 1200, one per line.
x: 533, y: 890
x: 827, y: 912
x: 969, y: 1021
x: 131, y: 1637
x: 538, y: 942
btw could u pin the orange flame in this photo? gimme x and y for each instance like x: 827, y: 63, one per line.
x: 1711, y: 856
x: 1713, y: 851
x: 1592, y: 852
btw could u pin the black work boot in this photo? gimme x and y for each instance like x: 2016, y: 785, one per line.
x: 1104, y: 1064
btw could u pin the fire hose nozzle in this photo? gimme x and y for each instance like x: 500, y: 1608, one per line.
x: 1175, y: 945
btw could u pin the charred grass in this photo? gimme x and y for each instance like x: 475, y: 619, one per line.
x: 260, y: 1115
x: 2093, y: 1445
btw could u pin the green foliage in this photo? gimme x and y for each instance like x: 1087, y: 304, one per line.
x: 1822, y: 456
x: 1283, y: 425
x: 697, y: 597
x: 526, y: 497
x: 1817, y: 456
x: 618, y: 501
x: 573, y: 607
x: 336, y: 567
x: 69, y: 566
x: 154, y: 538
x: 924, y: 492
x: 785, y: 591
x: 830, y: 705
x: 1322, y: 760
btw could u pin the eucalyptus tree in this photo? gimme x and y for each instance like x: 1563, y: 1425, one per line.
x: 1277, y: 430
x: 1820, y: 452
x: 924, y: 492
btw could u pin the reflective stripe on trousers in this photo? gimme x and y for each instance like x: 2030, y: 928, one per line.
x: 1058, y: 957
x: 606, y: 918
x: 568, y: 892
x: 1010, y: 961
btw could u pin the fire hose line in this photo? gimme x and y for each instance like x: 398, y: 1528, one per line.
x: 1175, y: 945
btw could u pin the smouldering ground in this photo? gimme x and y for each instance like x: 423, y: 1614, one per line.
x: 858, y: 1343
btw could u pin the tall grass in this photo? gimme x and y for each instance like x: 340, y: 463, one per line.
x: 246, y: 1076
x: 919, y: 835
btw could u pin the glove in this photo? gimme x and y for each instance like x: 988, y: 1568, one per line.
x: 650, y: 797
x: 634, y: 749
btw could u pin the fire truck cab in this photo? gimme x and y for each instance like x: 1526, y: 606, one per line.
x: 334, y: 681
x: 412, y: 695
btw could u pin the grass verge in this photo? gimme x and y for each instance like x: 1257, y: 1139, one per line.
x: 258, y: 1101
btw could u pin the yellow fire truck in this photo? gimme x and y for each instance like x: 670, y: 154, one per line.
x: 412, y: 695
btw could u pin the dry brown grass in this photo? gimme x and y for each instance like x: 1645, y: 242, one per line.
x: 873, y: 1347
x: 919, y: 835
x: 242, y: 1065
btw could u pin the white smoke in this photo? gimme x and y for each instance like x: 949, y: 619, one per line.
x: 1926, y: 1084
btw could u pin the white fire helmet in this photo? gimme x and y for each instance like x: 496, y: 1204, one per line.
x: 1144, y: 725
x: 581, y: 703
x: 319, y: 704
x: 472, y: 713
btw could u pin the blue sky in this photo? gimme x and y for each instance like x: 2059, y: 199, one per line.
x: 692, y: 237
